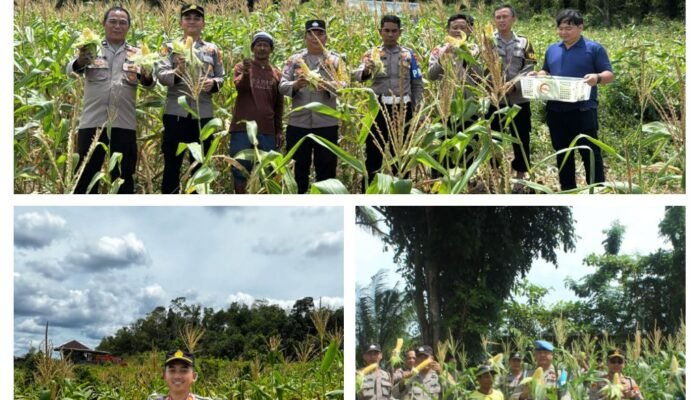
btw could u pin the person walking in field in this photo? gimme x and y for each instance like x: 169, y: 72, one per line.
x: 425, y: 385
x: 109, y: 101
x: 313, y: 75
x: 179, y: 374
x: 197, y: 80
x: 577, y: 57
x: 376, y: 385
x: 616, y: 362
x: 517, y: 60
x: 259, y: 99
x: 398, y: 84
x: 544, y: 357
x: 485, y: 377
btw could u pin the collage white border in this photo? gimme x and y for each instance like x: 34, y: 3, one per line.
x: 8, y: 201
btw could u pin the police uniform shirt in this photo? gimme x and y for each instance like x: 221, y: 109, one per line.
x: 512, y: 384
x: 212, y: 67
x: 331, y: 67
x: 167, y: 397
x: 419, y: 387
x: 401, y: 77
x: 627, y: 383
x: 518, y: 58
x: 551, y: 379
x: 376, y: 386
x: 111, y: 82
x: 465, y: 74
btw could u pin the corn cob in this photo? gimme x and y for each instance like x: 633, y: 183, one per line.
x: 395, y: 359
x: 418, y: 368
x: 456, y: 42
x: 377, y: 60
x: 360, y: 376
x: 313, y: 77
x: 613, y: 390
x: 145, y: 59
x: 89, y: 40
x: 187, y: 50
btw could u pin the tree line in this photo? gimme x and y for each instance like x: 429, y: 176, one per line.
x: 465, y: 269
x: 239, y: 331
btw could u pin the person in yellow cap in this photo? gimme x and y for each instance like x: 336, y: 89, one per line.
x: 179, y: 374
x: 616, y: 361
x: 484, y: 375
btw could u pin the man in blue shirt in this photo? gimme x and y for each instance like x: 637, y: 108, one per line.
x: 578, y: 57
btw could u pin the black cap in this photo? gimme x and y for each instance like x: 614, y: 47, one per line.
x: 427, y: 350
x: 485, y: 368
x: 373, y: 347
x: 616, y: 353
x: 179, y: 355
x: 516, y: 355
x: 191, y: 7
x: 318, y: 24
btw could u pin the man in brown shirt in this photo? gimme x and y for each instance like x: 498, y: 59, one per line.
x: 259, y: 100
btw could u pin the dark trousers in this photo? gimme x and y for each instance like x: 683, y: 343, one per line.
x: 179, y: 130
x: 564, y: 126
x: 520, y: 128
x: 119, y: 140
x: 324, y: 160
x: 380, y: 129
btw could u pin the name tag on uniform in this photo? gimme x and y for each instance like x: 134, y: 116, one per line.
x: 130, y: 72
x: 100, y: 62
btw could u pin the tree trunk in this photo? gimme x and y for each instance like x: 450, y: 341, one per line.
x: 431, y: 276
x: 418, y: 298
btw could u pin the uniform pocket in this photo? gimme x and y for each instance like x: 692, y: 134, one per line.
x: 130, y: 74
x: 386, y: 389
x: 93, y: 74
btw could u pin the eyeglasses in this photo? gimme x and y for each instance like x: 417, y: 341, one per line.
x: 118, y: 22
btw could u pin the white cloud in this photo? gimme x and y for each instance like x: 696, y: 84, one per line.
x: 326, y: 244
x: 111, y: 252
x: 36, y: 230
x: 249, y: 300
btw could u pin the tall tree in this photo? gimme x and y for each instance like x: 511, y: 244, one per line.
x: 627, y: 292
x: 460, y: 263
x: 383, y: 313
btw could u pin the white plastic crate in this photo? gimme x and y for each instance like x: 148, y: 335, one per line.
x: 558, y: 88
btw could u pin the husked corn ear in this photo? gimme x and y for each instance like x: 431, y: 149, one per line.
x: 395, y: 359
x: 369, y: 369
x: 313, y: 77
x: 376, y: 58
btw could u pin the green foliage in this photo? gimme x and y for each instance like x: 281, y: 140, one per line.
x: 238, y: 331
x: 648, y: 58
x: 630, y: 292
x: 466, y: 260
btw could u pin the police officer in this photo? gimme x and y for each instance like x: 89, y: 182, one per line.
x: 377, y: 384
x: 517, y: 59
x: 179, y: 124
x: 409, y: 363
x: 399, y: 90
x: 424, y: 385
x: 296, y: 85
x: 511, y: 384
x: 109, y: 102
x: 179, y: 374
x: 544, y: 356
x: 445, y: 60
x: 616, y: 362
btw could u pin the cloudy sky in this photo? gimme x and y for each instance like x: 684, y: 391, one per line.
x: 641, y: 236
x: 91, y: 270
